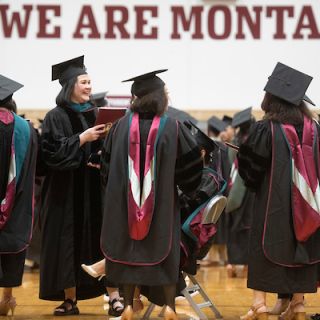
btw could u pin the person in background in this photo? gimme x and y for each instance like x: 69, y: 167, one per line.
x: 18, y: 151
x: 240, y: 203
x: 228, y: 134
x: 146, y: 155
x: 219, y: 131
x: 279, y: 162
x: 71, y: 206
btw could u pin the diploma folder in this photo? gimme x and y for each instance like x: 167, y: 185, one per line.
x: 108, y: 115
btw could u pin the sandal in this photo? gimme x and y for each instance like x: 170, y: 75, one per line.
x: 290, y: 314
x: 65, y: 311
x: 115, y: 310
x: 253, y: 313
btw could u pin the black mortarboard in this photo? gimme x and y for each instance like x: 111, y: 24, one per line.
x: 226, y: 119
x: 99, y: 99
x: 216, y: 125
x: 241, y: 117
x: 7, y: 88
x: 288, y: 84
x: 202, y: 139
x: 146, y: 83
x: 69, y: 69
x: 180, y: 115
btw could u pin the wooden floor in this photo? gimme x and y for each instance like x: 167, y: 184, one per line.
x: 230, y: 296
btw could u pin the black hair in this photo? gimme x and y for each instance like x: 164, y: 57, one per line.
x: 279, y: 110
x: 155, y: 102
x: 10, y: 105
x: 63, y: 99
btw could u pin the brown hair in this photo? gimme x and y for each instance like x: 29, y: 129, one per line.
x: 155, y: 102
x: 279, y: 110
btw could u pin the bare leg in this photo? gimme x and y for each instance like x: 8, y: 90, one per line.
x: 298, y: 302
x: 6, y: 293
x: 137, y: 303
x: 115, y: 305
x: 70, y: 293
x: 258, y: 306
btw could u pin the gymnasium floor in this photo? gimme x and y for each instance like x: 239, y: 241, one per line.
x: 230, y: 296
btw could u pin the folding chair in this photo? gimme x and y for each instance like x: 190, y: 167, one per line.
x: 211, y: 214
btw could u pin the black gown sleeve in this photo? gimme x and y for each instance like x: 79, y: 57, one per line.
x: 254, y: 156
x: 59, y: 151
x: 189, y: 163
x: 105, y: 157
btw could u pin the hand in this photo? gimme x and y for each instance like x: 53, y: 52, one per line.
x: 92, y: 134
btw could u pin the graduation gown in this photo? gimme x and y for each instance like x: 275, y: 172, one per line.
x: 71, y: 206
x: 154, y: 260
x: 278, y: 262
x: 239, y: 210
x: 15, y: 235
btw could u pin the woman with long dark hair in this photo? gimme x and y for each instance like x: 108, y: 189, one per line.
x: 145, y: 157
x: 71, y: 196
x: 279, y: 162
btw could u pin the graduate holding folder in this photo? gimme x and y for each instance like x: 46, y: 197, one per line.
x: 71, y: 197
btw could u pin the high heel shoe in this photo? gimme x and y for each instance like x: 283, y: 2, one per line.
x: 127, y: 313
x: 6, y: 305
x: 93, y: 273
x: 290, y: 314
x: 169, y: 314
x: 253, y: 314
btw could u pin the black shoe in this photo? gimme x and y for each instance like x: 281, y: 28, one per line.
x: 315, y: 316
x: 66, y: 311
x: 115, y: 311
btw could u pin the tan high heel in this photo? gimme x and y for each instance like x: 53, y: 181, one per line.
x: 127, y: 313
x: 92, y: 272
x: 169, y: 314
x: 253, y: 314
x: 289, y: 314
x: 6, y: 305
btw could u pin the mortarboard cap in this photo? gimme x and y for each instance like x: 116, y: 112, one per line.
x: 99, y: 99
x: 241, y: 117
x: 216, y: 125
x: 202, y: 139
x: 227, y: 120
x: 288, y: 84
x: 67, y: 70
x: 7, y: 89
x: 146, y: 83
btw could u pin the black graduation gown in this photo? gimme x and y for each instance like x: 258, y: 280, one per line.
x: 239, y: 221
x: 71, y: 207
x: 178, y: 163
x: 16, y: 234
x: 269, y: 259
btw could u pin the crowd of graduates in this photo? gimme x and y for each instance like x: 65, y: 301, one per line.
x: 142, y: 201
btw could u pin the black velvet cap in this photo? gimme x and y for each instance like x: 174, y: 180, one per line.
x: 99, y: 99
x: 7, y: 88
x: 227, y: 120
x: 216, y: 125
x: 202, y: 139
x: 288, y: 84
x: 241, y: 117
x: 146, y: 83
x: 66, y: 70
